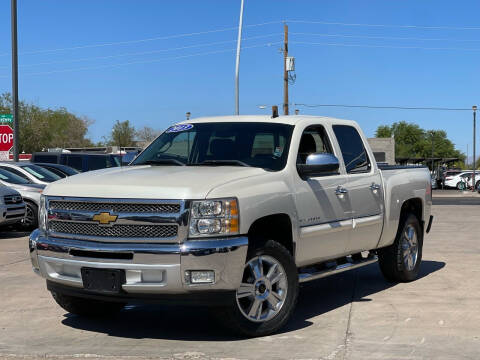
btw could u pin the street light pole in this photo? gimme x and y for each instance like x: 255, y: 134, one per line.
x: 432, y: 133
x: 237, y: 63
x: 474, y: 108
x: 15, y: 81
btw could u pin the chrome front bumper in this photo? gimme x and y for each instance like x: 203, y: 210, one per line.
x: 149, y: 268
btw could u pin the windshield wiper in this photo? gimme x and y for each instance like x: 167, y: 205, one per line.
x: 220, y: 162
x: 162, y: 162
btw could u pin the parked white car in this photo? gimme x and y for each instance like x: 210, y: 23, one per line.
x: 454, y: 181
x: 30, y: 193
x: 31, y: 172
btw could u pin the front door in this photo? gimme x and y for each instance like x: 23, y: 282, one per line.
x: 364, y: 185
x: 323, y: 211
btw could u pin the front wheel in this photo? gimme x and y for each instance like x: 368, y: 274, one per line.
x: 400, y: 262
x: 30, y: 221
x: 268, y: 293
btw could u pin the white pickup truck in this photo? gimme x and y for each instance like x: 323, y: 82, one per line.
x: 232, y: 212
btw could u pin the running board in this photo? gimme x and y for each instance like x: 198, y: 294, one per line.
x: 349, y: 265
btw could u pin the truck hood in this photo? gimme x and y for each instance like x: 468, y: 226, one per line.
x: 150, y: 182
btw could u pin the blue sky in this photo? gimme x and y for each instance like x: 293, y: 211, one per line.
x: 154, y: 77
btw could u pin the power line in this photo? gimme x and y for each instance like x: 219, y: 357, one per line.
x: 144, y: 52
x: 174, y: 36
x: 385, y: 107
x: 145, y: 61
x: 384, y: 37
x: 385, y: 46
x: 386, y: 25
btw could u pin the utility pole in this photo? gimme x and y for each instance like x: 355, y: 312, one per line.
x: 285, y: 72
x: 474, y: 108
x: 15, y: 81
x: 237, y: 63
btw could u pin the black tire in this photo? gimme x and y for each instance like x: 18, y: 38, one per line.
x: 459, y: 185
x: 30, y: 221
x: 87, y: 307
x: 391, y: 258
x: 232, y: 315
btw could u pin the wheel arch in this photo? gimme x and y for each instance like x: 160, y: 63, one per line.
x: 277, y: 227
x: 413, y: 206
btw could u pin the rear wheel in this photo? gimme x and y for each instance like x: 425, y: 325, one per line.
x: 87, y: 307
x: 268, y: 294
x: 400, y: 262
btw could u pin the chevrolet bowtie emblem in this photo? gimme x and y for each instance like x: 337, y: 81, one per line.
x: 104, y: 218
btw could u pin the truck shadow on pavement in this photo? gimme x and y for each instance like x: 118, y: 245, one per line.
x: 8, y: 233
x: 198, y: 324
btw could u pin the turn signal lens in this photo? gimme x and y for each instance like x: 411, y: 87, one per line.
x: 232, y: 226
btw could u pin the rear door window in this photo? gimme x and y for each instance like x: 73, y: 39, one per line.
x: 353, y: 151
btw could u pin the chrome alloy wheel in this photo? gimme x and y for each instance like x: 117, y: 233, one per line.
x: 30, y: 216
x: 263, y: 290
x: 410, y: 248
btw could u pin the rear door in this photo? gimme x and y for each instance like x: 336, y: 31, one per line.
x: 364, y: 185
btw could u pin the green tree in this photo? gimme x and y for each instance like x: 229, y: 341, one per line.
x: 47, y: 128
x: 383, y: 131
x: 123, y: 134
x: 411, y: 141
x: 146, y: 134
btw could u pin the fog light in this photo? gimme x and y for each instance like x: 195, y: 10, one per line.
x: 200, y: 276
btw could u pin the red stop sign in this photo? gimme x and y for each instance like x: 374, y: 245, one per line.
x: 6, y: 138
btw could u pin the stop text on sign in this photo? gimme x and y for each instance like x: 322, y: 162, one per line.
x: 6, y: 138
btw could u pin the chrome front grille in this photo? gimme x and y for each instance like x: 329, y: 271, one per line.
x: 115, y: 231
x: 117, y: 220
x: 115, y: 207
x: 12, y: 199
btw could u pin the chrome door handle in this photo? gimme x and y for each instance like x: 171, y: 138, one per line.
x: 374, y: 187
x: 341, y: 190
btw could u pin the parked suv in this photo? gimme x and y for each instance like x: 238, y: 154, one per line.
x: 81, y: 161
x: 12, y: 207
x: 30, y: 194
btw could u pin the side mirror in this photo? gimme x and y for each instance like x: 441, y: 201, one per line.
x: 319, y: 164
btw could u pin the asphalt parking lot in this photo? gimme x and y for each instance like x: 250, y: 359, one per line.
x: 352, y: 315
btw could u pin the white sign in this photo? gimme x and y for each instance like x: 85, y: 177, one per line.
x: 4, y: 155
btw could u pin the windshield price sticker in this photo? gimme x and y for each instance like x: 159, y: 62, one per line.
x: 179, y: 128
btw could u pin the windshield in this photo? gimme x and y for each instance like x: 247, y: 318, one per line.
x: 263, y: 145
x: 11, y: 178
x: 41, y: 173
x: 64, y: 169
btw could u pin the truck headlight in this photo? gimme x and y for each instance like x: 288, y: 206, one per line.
x: 214, y: 217
x: 42, y: 214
